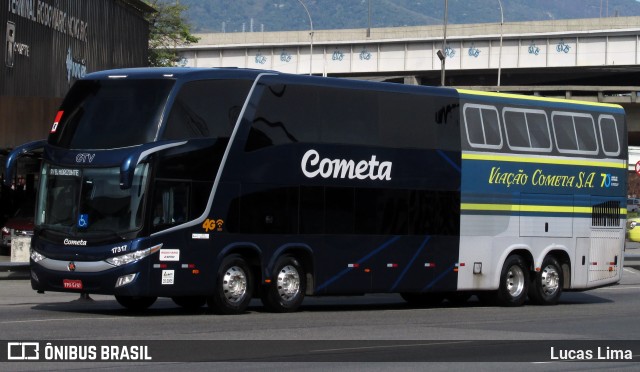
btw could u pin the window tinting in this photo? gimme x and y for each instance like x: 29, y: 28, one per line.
x: 539, y: 130
x: 575, y: 132
x: 565, y: 133
x: 434, y: 212
x: 382, y: 211
x: 346, y: 210
x: 473, y: 124
x: 527, y: 130
x: 206, y: 108
x: 103, y: 114
x: 416, y: 121
x: 170, y: 204
x: 609, y: 135
x: 482, y: 126
x: 491, y: 127
x: 283, y: 116
x: 303, y: 114
x: 516, y: 129
x: 586, y: 132
x: 339, y: 210
x: 269, y: 210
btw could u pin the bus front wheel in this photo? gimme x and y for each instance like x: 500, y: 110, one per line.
x: 234, y: 286
x: 514, y: 282
x: 288, y: 284
x: 546, y: 286
x: 136, y: 303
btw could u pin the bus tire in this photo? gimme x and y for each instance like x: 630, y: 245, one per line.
x: 514, y: 282
x: 136, y: 303
x: 546, y: 285
x: 423, y: 299
x: 190, y: 302
x: 234, y: 286
x: 286, y: 291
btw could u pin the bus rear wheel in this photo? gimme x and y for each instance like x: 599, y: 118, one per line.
x: 514, y: 282
x: 234, y: 287
x: 546, y: 286
x: 286, y: 291
x: 136, y: 303
x: 190, y: 302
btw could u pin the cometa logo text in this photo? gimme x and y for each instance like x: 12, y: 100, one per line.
x: 312, y: 166
x: 75, y: 242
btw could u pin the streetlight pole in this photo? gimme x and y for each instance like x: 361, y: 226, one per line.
x: 500, y: 52
x: 443, y: 57
x: 311, y: 35
x: 369, y: 19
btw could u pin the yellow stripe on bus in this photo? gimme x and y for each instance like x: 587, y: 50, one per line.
x: 544, y: 160
x: 536, y: 98
x: 528, y: 208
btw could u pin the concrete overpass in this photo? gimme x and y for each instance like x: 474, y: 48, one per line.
x: 588, y: 59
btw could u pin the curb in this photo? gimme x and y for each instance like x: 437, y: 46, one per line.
x: 14, y: 270
x: 632, y: 261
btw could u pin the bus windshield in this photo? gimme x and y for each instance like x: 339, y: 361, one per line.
x: 107, y: 114
x: 89, y: 201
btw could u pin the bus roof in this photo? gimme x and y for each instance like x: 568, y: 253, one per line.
x: 186, y: 73
x: 196, y: 73
x: 539, y: 100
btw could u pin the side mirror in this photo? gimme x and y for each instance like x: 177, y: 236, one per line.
x: 16, y: 154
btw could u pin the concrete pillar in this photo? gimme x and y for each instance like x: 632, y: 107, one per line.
x: 20, y: 246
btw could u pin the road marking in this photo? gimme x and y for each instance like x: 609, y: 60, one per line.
x: 60, y: 319
x: 622, y: 287
x: 389, y: 346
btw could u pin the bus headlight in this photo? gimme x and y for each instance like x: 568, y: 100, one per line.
x: 36, y: 257
x: 133, y: 256
x: 633, y: 224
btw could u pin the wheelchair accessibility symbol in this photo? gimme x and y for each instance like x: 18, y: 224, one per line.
x: 83, y: 221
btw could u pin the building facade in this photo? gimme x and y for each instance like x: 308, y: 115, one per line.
x: 48, y: 45
x: 51, y: 43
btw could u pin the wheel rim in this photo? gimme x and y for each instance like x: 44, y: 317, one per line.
x: 515, y: 281
x: 550, y: 280
x: 234, y: 284
x: 288, y: 282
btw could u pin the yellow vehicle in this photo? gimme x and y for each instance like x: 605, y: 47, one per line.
x: 633, y: 229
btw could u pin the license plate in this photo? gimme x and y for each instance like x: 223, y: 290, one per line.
x: 72, y: 284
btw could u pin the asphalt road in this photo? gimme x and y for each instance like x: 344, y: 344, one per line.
x: 366, y: 332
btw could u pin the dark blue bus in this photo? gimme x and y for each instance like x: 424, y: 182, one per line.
x: 219, y: 185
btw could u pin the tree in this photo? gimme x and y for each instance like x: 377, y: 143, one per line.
x: 167, y: 30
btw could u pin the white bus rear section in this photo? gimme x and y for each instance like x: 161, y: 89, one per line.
x: 595, y: 254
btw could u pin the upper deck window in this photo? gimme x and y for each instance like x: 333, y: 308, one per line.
x: 483, y: 126
x: 297, y: 113
x: 575, y: 133
x: 527, y: 130
x: 104, y: 114
x: 206, y: 109
x: 609, y: 135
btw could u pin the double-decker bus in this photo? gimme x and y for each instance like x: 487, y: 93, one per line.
x: 219, y: 185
